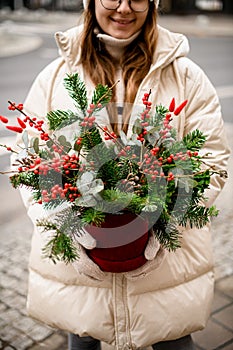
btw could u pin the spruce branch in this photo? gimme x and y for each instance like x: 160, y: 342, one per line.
x: 60, y: 247
x: 77, y: 91
x: 198, y: 216
x: 167, y: 234
x: 194, y: 140
x: 102, y: 94
x: 28, y: 179
x: 59, y: 119
x: 92, y: 216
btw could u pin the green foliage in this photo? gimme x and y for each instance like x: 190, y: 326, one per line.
x: 102, y: 94
x: 115, y: 201
x: 167, y: 233
x: 195, y: 140
x: 35, y: 142
x: 161, y: 111
x: 198, y: 216
x: 59, y: 119
x: 151, y: 174
x: 64, y: 143
x: 60, y: 248
x: 109, y: 173
x: 112, y: 171
x: 28, y: 179
x: 91, y: 138
x: 92, y: 216
x: 77, y: 91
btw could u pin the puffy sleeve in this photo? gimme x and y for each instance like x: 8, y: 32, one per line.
x: 37, y: 105
x: 203, y: 112
x: 37, y: 102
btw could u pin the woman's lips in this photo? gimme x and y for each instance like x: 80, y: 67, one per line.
x: 122, y: 22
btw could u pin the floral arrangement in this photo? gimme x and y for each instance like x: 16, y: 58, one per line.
x: 151, y: 174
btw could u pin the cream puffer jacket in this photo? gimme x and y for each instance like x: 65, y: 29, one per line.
x: 170, y: 296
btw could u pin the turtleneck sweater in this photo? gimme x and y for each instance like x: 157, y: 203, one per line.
x: 116, y: 48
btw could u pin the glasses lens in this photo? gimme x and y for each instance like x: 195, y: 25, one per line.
x: 135, y: 5
x: 139, y: 5
x: 110, y: 4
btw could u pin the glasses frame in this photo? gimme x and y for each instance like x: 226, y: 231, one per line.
x: 119, y: 4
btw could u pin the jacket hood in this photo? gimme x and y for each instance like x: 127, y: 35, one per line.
x: 170, y: 46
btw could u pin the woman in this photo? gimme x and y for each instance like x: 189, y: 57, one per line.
x: 166, y: 299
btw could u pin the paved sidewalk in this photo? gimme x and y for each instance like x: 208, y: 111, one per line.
x: 17, y: 330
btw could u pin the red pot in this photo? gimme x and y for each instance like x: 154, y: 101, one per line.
x: 121, y: 241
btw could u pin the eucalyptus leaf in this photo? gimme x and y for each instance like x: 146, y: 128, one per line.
x: 62, y: 139
x: 187, y: 188
x: 152, y: 138
x: 49, y: 143
x: 135, y: 141
x: 35, y: 144
x: 150, y: 208
x: 22, y: 154
x: 123, y: 137
x: 178, y: 171
x: 187, y: 183
x: 25, y: 138
x: 63, y: 142
x: 87, y: 201
x: 97, y: 186
x: 137, y: 127
x: 88, y: 185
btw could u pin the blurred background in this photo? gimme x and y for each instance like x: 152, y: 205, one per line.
x: 169, y: 6
x: 27, y: 45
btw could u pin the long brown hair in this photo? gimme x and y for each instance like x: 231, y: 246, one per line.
x: 135, y: 63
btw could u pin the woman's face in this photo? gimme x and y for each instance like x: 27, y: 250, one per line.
x: 121, y: 23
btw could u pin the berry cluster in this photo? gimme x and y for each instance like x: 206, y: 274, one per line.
x: 22, y: 123
x: 154, y: 159
x: 89, y: 120
x: 69, y: 192
x: 55, y: 192
x: 109, y: 135
x: 145, y: 116
x: 12, y: 106
x: 64, y: 165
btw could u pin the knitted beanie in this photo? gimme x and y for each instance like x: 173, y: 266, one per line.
x: 85, y: 3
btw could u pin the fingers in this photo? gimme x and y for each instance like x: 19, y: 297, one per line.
x: 85, y: 239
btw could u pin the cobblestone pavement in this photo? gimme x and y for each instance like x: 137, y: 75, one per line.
x: 20, y: 332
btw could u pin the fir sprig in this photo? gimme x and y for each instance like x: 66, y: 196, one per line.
x: 59, y: 119
x: 91, y: 138
x: 102, y: 94
x: 60, y: 248
x: 28, y: 179
x: 92, y: 216
x: 167, y: 233
x: 194, y: 140
x: 198, y: 216
x: 77, y: 91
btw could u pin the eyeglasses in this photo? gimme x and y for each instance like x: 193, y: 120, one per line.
x: 135, y: 5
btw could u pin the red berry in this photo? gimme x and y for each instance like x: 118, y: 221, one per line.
x: 3, y: 119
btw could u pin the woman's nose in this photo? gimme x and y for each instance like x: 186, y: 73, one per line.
x: 124, y: 7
